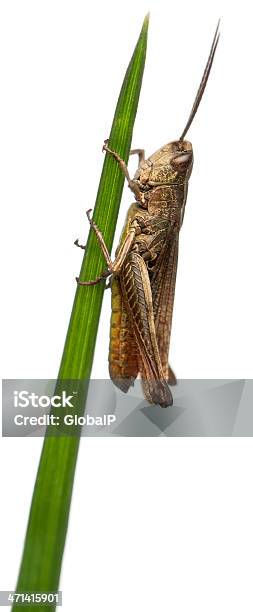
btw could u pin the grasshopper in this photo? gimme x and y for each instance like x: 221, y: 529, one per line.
x: 143, y: 274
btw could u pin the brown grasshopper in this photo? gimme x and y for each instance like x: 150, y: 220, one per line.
x: 143, y: 274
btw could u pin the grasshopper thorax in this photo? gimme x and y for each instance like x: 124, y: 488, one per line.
x: 170, y: 165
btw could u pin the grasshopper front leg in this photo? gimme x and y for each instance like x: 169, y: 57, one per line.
x: 131, y: 183
x: 140, y: 153
x: 115, y: 266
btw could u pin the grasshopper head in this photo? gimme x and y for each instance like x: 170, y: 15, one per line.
x: 170, y: 165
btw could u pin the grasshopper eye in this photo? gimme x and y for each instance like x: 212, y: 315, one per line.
x: 182, y: 161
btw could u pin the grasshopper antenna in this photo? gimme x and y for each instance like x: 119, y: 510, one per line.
x: 203, y: 83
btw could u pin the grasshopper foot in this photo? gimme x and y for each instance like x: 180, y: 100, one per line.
x: 95, y: 281
x: 81, y: 246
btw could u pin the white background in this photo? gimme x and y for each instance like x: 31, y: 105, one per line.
x: 155, y: 524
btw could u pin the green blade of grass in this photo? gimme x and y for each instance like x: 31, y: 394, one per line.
x: 48, y: 520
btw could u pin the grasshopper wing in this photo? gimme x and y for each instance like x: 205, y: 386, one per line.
x: 137, y: 296
x: 163, y: 283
